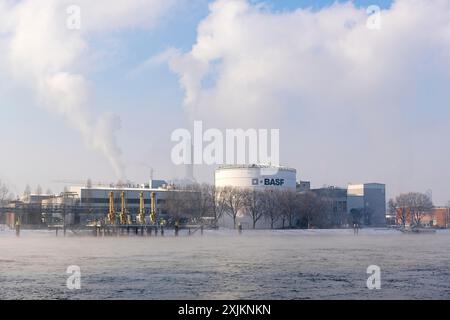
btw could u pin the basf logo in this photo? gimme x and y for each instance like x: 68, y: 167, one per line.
x: 268, y: 182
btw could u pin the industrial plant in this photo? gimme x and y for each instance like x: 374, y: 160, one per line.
x: 100, y: 207
x: 237, y: 191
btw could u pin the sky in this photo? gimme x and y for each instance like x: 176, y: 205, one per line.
x: 352, y: 104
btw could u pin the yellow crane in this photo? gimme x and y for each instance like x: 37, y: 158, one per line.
x: 141, y: 208
x: 153, y: 208
x: 112, y: 211
x: 123, y: 212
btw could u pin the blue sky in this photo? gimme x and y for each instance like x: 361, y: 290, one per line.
x: 294, y: 4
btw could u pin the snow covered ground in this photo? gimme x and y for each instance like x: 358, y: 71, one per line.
x: 279, y: 264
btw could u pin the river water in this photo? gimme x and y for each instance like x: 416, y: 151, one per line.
x: 308, y: 264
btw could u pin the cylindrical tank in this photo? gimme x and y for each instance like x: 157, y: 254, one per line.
x: 256, y: 176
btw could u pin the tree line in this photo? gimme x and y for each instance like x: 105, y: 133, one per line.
x: 5, y: 194
x: 410, y: 208
x: 288, y: 208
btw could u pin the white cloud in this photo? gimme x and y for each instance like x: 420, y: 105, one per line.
x: 38, y: 50
x: 254, y: 57
x: 104, y: 15
x: 333, y: 84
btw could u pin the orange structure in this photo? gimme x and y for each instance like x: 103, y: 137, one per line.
x: 438, y: 217
x: 441, y: 216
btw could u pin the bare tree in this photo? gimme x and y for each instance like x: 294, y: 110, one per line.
x: 397, y: 208
x: 219, y: 202
x: 233, y: 200
x: 5, y: 194
x: 411, y: 205
x: 181, y: 204
x: 313, y: 210
x: 392, y: 207
x: 289, y: 204
x: 213, y: 201
x: 421, y: 205
x: 272, y: 211
x: 254, y: 205
x: 205, y: 203
x: 27, y: 191
x: 401, y: 206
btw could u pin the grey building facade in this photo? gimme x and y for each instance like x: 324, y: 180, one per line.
x: 337, y: 200
x: 370, y: 200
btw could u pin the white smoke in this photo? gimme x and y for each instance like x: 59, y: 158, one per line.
x: 39, y: 50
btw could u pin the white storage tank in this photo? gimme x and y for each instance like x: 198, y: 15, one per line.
x: 256, y: 176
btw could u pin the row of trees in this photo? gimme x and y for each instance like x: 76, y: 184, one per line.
x: 412, y: 206
x: 288, y: 208
x: 5, y: 194
x: 37, y: 191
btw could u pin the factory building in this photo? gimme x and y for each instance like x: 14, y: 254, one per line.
x: 95, y: 201
x: 304, y: 186
x: 13, y: 211
x: 370, y: 199
x: 438, y: 217
x: 36, y: 198
x: 337, y: 199
x: 97, y: 198
x: 85, y: 204
x: 61, y: 208
x: 256, y: 177
x: 33, y: 204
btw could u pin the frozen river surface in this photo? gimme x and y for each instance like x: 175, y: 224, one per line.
x: 315, y: 264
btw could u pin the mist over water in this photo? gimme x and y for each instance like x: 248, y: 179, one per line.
x: 298, y: 264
